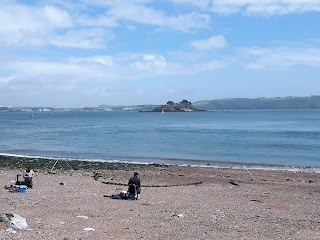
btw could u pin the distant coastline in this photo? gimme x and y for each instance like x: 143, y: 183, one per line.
x: 290, y: 102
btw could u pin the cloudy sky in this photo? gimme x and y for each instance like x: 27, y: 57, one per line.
x: 76, y: 53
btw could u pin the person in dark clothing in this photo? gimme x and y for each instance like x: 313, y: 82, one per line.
x: 136, y: 181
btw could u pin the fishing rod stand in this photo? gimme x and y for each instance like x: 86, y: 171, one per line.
x: 56, y: 164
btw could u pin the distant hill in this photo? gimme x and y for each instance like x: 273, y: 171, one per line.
x: 312, y: 102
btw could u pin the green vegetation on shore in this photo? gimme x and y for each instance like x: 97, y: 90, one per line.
x: 312, y: 102
x: 45, y: 164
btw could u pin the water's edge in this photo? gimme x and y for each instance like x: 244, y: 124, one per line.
x: 96, y: 163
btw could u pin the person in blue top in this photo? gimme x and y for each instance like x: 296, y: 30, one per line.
x: 136, y: 181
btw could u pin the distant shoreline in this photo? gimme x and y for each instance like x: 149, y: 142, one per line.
x: 262, y: 103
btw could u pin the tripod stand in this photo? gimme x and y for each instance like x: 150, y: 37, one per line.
x: 59, y: 159
x: 56, y: 164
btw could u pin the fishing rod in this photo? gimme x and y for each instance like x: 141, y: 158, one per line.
x: 65, y: 149
x: 252, y: 177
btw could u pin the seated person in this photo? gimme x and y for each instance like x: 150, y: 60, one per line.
x: 136, y: 181
x: 28, y: 175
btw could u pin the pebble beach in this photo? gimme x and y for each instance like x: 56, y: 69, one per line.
x: 176, y: 202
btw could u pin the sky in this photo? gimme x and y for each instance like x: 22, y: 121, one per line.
x: 83, y: 53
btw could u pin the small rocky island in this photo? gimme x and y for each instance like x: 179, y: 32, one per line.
x: 183, y: 106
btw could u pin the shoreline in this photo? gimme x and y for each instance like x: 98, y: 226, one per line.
x: 13, y: 161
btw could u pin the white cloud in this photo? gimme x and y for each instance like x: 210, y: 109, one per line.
x: 95, y: 21
x: 103, y: 60
x: 67, y: 71
x: 102, y: 69
x: 198, y: 3
x: 136, y: 11
x: 94, y: 75
x: 7, y: 79
x: 214, y: 42
x: 28, y: 25
x: 187, y: 22
x: 78, y: 72
x: 56, y: 17
x: 150, y: 16
x: 86, y: 38
x: 151, y: 63
x: 102, y: 91
x: 280, y: 58
x: 210, y: 66
x: 23, y: 24
x: 94, y: 72
x: 68, y: 24
x: 266, y: 7
x: 131, y: 27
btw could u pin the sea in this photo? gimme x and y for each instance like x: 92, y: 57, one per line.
x: 265, y: 139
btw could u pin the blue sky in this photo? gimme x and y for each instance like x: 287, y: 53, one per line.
x: 76, y: 53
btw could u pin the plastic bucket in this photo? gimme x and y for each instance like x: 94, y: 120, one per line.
x: 23, y: 188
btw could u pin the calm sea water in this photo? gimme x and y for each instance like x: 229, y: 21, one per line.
x: 222, y: 138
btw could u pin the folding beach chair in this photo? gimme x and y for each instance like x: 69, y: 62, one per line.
x: 132, y: 192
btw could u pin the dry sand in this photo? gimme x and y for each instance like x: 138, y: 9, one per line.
x: 276, y: 205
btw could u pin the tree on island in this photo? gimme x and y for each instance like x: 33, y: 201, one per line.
x: 183, y: 106
x: 186, y: 102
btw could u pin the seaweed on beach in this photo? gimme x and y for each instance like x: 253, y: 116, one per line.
x: 45, y: 164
